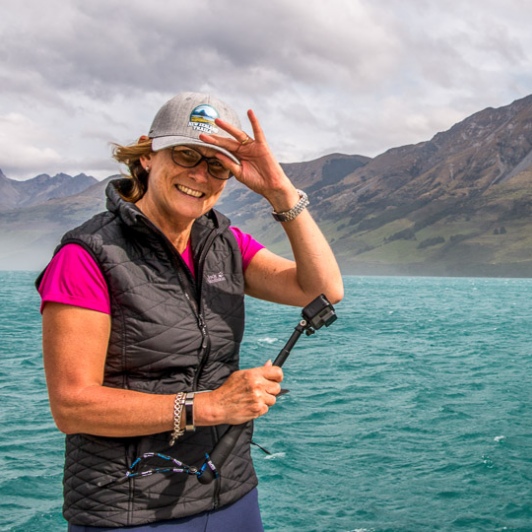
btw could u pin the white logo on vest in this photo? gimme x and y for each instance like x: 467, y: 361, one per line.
x: 216, y: 278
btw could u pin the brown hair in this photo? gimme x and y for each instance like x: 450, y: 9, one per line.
x: 138, y: 177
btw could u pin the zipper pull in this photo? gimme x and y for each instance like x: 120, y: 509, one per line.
x: 203, y: 329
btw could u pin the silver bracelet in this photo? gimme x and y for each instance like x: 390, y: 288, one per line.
x: 178, y: 409
x: 295, y: 211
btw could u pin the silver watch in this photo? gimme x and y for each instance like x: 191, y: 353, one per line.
x: 295, y: 211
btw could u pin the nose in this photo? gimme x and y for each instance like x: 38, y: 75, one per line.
x: 200, y: 172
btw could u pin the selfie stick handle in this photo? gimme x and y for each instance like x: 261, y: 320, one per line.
x: 285, y: 351
x: 228, y: 441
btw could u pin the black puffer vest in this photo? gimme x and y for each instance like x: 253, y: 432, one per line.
x: 169, y: 333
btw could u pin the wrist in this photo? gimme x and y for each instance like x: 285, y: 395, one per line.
x: 205, y: 411
x: 293, y: 212
x: 282, y: 199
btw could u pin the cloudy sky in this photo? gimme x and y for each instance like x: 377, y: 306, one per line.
x: 324, y: 76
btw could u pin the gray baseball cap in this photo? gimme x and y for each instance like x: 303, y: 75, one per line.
x: 181, y: 120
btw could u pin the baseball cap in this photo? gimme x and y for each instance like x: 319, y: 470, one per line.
x: 181, y: 120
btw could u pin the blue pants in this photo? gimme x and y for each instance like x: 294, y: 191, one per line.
x: 241, y: 516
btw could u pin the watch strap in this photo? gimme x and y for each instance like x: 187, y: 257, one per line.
x: 189, y: 412
x: 295, y: 211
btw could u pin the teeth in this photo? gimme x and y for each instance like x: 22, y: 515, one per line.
x: 190, y: 192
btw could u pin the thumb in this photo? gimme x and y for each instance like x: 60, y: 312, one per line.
x: 268, y: 364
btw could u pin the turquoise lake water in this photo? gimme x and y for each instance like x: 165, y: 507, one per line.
x: 411, y: 413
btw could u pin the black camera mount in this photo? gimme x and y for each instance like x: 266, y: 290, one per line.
x: 316, y: 314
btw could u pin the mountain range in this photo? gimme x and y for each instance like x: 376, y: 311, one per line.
x: 459, y: 204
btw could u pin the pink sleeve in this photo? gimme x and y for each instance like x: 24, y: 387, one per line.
x: 248, y: 246
x: 74, y: 278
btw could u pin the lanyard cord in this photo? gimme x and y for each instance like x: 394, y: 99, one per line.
x: 174, y: 466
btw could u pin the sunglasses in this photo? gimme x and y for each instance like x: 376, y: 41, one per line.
x: 189, y: 158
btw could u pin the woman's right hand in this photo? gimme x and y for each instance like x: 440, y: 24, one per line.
x: 247, y: 394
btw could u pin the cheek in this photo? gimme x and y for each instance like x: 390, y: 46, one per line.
x: 217, y: 189
x: 220, y: 187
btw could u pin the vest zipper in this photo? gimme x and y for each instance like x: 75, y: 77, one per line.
x: 197, y: 308
x: 205, y: 348
x: 206, y: 344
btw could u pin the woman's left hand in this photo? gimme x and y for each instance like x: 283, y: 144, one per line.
x: 259, y: 170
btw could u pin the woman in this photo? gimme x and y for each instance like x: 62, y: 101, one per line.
x: 143, y: 309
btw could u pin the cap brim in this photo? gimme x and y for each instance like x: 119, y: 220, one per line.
x: 160, y: 143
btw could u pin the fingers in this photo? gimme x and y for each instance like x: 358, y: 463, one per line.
x: 266, y: 378
x: 248, y: 394
x: 229, y: 164
x: 272, y: 373
x: 258, y: 133
x: 264, y: 386
x: 274, y: 390
x: 238, y: 134
x: 229, y: 144
x: 241, y: 138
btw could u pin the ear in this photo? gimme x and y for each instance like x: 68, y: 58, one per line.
x: 145, y: 160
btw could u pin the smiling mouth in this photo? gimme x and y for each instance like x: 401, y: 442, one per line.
x: 189, y: 191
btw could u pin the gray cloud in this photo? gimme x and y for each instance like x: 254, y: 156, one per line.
x: 355, y: 76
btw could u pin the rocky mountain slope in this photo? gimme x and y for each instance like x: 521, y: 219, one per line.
x: 14, y: 194
x: 458, y: 204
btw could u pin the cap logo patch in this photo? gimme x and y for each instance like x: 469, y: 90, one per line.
x: 202, y: 119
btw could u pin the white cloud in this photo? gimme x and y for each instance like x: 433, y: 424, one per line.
x: 23, y: 143
x: 355, y: 76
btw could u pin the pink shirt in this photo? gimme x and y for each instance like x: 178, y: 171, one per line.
x: 74, y: 278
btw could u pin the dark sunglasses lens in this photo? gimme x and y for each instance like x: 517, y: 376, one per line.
x: 218, y: 171
x: 186, y: 157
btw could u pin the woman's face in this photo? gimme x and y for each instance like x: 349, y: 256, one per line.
x: 178, y: 195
